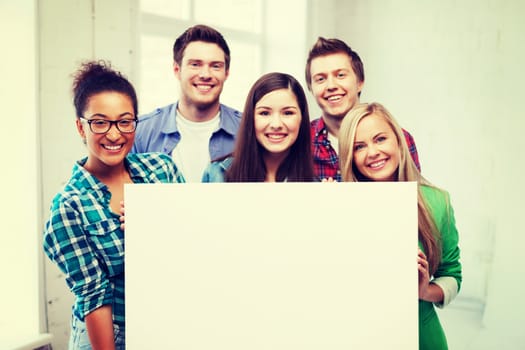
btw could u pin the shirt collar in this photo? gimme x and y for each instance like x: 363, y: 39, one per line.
x: 226, y: 122
x: 320, y: 131
x: 86, y: 181
x: 170, y: 126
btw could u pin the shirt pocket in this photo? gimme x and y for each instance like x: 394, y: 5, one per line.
x: 107, y: 240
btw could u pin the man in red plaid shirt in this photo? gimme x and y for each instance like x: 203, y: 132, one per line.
x: 335, y: 76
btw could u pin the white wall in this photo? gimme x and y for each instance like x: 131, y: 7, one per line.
x: 443, y: 68
x: 451, y: 73
x: 505, y: 312
x: 71, y: 32
x: 321, y: 22
x: 21, y: 315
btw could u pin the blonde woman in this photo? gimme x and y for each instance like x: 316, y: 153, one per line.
x: 372, y: 147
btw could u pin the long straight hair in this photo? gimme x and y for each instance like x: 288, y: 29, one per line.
x: 248, y: 163
x: 429, y: 235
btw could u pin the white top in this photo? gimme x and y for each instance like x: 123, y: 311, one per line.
x: 192, y: 154
x: 334, y: 142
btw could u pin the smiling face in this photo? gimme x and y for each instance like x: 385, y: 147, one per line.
x: 202, y: 74
x: 277, y: 121
x: 109, y: 149
x: 334, y: 84
x: 376, y: 150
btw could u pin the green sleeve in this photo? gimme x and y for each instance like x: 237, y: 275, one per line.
x: 443, y: 213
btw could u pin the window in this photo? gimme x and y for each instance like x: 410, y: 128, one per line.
x: 258, y: 43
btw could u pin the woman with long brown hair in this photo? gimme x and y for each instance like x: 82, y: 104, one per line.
x: 273, y: 141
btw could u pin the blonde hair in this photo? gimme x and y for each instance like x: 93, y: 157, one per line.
x: 429, y: 235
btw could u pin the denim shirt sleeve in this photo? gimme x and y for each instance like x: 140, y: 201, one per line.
x: 215, y: 171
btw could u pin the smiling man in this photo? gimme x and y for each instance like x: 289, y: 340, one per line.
x: 197, y: 128
x: 335, y: 76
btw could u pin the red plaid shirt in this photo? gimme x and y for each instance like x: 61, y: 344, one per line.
x: 326, y: 161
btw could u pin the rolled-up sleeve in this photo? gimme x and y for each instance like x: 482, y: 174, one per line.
x: 66, y: 243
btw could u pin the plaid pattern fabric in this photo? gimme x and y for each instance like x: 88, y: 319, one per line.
x: 83, y: 236
x: 326, y: 161
x: 412, y: 149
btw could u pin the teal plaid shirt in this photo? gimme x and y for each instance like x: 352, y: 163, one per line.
x: 83, y: 236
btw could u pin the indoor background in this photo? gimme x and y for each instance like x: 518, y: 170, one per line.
x: 449, y: 71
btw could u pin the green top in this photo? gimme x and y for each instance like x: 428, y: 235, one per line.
x: 431, y: 334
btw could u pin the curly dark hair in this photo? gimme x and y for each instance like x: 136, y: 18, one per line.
x: 94, y: 77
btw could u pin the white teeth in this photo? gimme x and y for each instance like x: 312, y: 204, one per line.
x: 334, y: 98
x: 204, y: 87
x: 377, y: 164
x: 112, y: 148
x: 275, y: 137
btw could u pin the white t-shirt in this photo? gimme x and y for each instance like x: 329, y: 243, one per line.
x: 192, y: 154
x: 334, y: 142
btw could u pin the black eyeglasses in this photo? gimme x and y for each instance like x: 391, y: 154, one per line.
x: 102, y: 126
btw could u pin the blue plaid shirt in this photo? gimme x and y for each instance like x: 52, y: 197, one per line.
x: 83, y: 236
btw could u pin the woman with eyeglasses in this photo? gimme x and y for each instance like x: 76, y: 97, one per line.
x: 83, y: 235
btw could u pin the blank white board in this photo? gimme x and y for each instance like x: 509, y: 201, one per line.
x: 271, y: 266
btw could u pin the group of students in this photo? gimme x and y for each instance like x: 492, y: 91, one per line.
x: 198, y: 139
